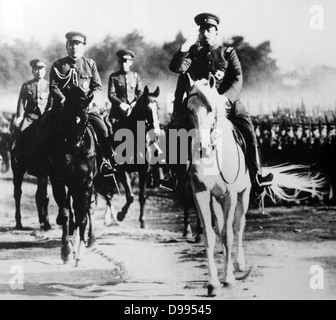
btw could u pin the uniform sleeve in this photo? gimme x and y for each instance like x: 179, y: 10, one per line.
x: 181, y: 61
x: 233, y: 80
x: 139, y: 87
x: 22, y: 101
x: 96, y: 83
x: 55, y: 90
x: 112, y: 94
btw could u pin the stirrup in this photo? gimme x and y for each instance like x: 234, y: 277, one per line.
x: 106, y: 169
x: 266, y: 181
x: 168, y: 182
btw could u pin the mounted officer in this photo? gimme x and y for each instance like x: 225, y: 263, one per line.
x: 124, y: 87
x: 34, y: 100
x: 202, y: 56
x: 34, y: 96
x: 74, y: 80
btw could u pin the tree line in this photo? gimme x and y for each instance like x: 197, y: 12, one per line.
x: 151, y: 61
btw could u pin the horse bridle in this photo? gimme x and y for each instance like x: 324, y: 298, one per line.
x: 213, y: 145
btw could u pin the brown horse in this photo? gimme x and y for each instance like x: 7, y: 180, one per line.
x: 144, y: 116
x: 22, y: 158
x: 74, y: 166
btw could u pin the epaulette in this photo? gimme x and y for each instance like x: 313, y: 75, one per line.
x: 229, y: 50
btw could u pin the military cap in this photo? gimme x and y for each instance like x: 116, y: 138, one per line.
x: 76, y: 36
x: 207, y: 19
x: 38, y: 63
x: 125, y: 54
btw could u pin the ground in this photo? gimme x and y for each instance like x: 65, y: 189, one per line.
x: 128, y: 263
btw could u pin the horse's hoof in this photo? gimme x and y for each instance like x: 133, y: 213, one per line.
x: 199, y: 238
x: 18, y: 226
x: 77, y: 263
x: 60, y: 220
x: 121, y: 216
x: 229, y: 284
x: 239, y: 266
x: 143, y: 225
x: 66, y: 253
x: 213, y: 291
x: 92, y: 241
x: 46, y: 227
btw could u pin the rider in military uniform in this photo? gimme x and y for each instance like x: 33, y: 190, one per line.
x: 124, y: 87
x: 74, y: 80
x: 34, y: 96
x: 202, y: 57
x: 33, y: 101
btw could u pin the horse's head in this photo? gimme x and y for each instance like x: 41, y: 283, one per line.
x: 147, y: 109
x: 75, y: 125
x: 205, y: 103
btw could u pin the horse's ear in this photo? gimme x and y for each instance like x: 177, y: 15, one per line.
x: 146, y: 91
x: 190, y: 82
x: 212, y: 81
x: 156, y: 92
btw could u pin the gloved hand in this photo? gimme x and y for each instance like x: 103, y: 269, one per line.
x: 18, y: 122
x: 126, y: 108
x: 192, y: 39
x: 62, y: 105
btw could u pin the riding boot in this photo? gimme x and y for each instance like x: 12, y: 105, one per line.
x: 169, y: 181
x: 259, y: 182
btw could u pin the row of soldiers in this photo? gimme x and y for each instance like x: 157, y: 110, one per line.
x: 306, y: 140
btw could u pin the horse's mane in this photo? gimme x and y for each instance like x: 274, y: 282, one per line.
x: 209, y: 95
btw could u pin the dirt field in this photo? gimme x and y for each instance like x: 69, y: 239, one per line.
x: 157, y: 263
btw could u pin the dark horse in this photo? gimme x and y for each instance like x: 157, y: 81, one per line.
x: 73, y: 169
x: 22, y: 158
x: 142, y: 126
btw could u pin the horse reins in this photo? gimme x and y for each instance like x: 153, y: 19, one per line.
x: 213, y: 127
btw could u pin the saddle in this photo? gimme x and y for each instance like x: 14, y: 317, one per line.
x: 240, y: 140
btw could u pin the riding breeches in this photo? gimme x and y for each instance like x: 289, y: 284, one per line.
x: 102, y: 133
x: 240, y: 117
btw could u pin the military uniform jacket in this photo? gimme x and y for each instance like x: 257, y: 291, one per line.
x: 221, y: 62
x: 33, y: 99
x: 71, y: 79
x: 123, y: 88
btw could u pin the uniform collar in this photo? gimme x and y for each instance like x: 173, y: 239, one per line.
x: 213, y: 47
x: 125, y: 73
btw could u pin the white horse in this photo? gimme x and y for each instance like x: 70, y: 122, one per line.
x: 221, y: 182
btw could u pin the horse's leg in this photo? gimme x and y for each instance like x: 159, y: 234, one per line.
x: 82, y: 203
x: 229, y: 204
x: 143, y: 177
x: 239, y: 226
x: 42, y: 201
x: 186, y: 221
x: 92, y: 227
x: 202, y: 201
x: 18, y: 173
x: 126, y: 182
x: 110, y: 214
x: 63, y: 220
x: 81, y: 223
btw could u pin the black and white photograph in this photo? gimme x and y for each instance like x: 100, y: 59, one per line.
x: 180, y: 151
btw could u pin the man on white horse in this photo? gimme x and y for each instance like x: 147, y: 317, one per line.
x: 201, y: 56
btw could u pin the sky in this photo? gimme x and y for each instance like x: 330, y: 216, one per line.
x: 302, y: 32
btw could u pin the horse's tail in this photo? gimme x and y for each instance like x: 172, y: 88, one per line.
x: 291, y: 181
